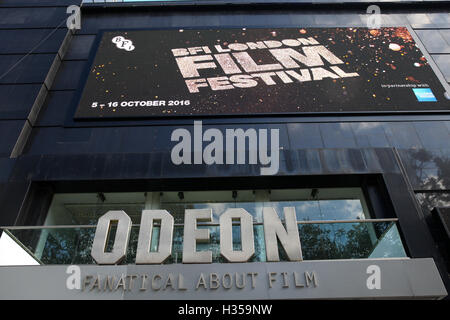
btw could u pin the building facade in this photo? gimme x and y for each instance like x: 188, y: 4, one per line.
x: 369, y: 185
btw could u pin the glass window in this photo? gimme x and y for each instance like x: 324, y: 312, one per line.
x: 86, y: 208
x: 331, y: 222
x: 309, y: 204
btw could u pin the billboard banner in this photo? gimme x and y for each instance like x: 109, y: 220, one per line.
x: 216, y: 72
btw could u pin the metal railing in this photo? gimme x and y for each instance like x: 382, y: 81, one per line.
x: 68, y: 226
x: 320, y: 239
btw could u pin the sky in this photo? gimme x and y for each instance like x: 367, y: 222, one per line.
x: 11, y: 254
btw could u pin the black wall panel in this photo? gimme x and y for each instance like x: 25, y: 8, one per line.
x: 30, y: 45
x: 9, y: 131
x: 55, y: 108
x: 22, y: 41
x: 80, y: 47
x: 31, y: 69
x: 37, y: 3
x: 17, y: 100
x: 68, y: 75
x: 42, y: 17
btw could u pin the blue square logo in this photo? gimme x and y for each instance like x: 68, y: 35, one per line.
x: 424, y: 95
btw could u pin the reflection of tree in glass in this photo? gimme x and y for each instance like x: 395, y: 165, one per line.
x: 357, y: 244
x: 177, y: 247
x: 316, y: 243
x: 82, y: 254
x: 436, y: 179
x: 319, y: 242
x: 424, y: 160
x: 132, y: 246
x: 57, y: 248
x: 337, y: 241
x: 68, y: 246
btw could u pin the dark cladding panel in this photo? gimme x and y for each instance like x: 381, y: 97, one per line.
x: 414, y: 163
x: 31, y: 69
x: 427, y: 169
x: 428, y: 20
x: 443, y: 63
x: 17, y: 100
x: 434, y: 173
x: 9, y: 132
x: 6, y: 165
x: 444, y: 219
x: 93, y: 23
x: 126, y: 140
x: 11, y: 200
x: 54, y: 109
x: 341, y: 20
x: 342, y: 161
x: 445, y: 33
x: 22, y: 41
x: 44, y: 17
x: 302, y: 19
x: 433, y: 134
x: 309, y: 161
x: 402, y: 135
x: 38, y: 3
x: 304, y: 135
x: 370, y: 134
x: 439, y: 19
x: 433, y: 41
x: 440, y: 225
x: 68, y: 75
x: 337, y: 135
x: 79, y: 47
x: 232, y: 20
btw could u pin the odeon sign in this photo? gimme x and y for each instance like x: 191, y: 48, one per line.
x: 273, y: 230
